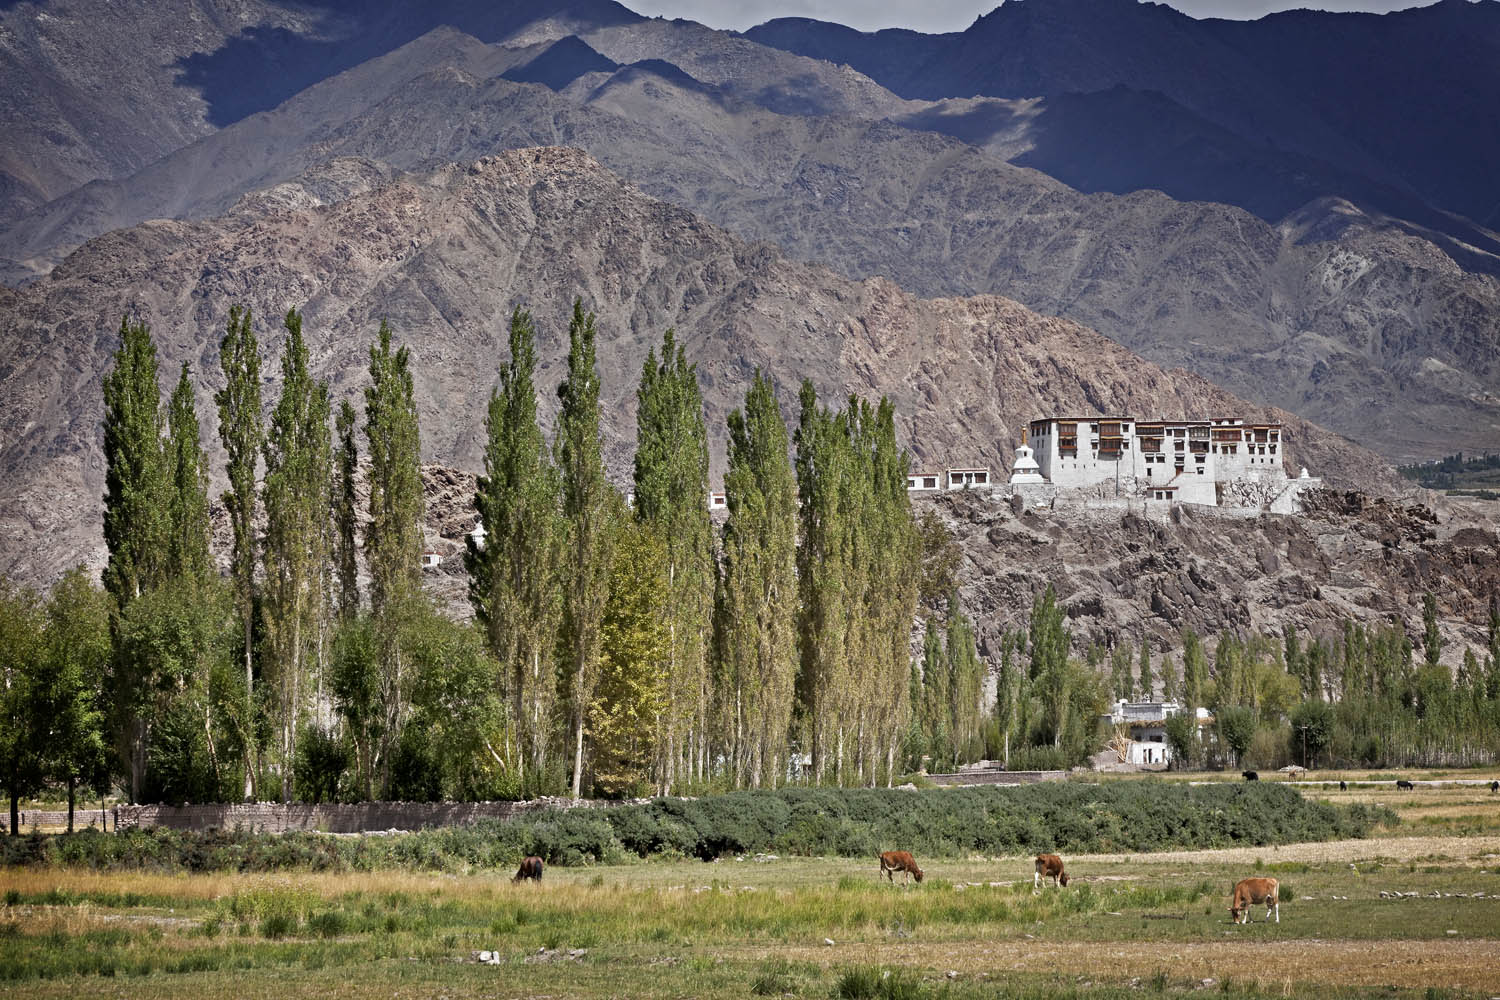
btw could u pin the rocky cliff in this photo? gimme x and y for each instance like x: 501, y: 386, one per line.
x: 446, y: 255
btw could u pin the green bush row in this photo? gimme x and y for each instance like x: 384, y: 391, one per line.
x: 1067, y: 817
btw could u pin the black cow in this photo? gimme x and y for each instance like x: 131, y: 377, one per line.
x: 1495, y: 786
x: 1251, y: 776
x: 1343, y: 786
x: 1402, y: 783
x: 531, y: 868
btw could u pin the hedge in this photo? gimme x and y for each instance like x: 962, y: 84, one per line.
x: 1066, y: 817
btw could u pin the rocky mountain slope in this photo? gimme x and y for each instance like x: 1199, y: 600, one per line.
x: 1377, y: 329
x: 446, y: 255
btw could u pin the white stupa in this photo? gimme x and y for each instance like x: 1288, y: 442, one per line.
x: 1024, y: 470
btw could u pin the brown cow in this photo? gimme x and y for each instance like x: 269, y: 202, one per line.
x: 1248, y: 892
x: 531, y: 868
x: 899, y: 861
x: 1048, y: 866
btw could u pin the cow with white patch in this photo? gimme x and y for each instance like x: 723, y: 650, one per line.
x: 1250, y: 892
x: 1048, y: 866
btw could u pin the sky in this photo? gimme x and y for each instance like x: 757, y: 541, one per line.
x: 946, y: 15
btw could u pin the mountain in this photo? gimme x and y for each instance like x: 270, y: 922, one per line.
x: 447, y: 254
x: 1371, y: 326
x: 91, y: 89
x: 1359, y: 92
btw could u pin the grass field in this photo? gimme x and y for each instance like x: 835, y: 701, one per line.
x: 1142, y: 925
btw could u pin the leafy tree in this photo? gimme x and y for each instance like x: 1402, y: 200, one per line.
x: 1147, y: 682
x: 759, y: 600
x: 1169, y: 682
x: 1121, y: 683
x: 671, y: 483
x: 514, y: 583
x: 1313, y: 725
x: 21, y: 625
x: 590, y: 527
x: 458, y: 707
x: 393, y: 541
x: 345, y: 547
x: 355, y: 686
x: 935, y: 702
x: 940, y: 558
x: 1182, y: 737
x: 1432, y: 639
x: 1194, y: 670
x: 1236, y: 729
x: 636, y: 646
x: 242, y: 431
x: 65, y: 691
x: 187, y: 478
x: 1049, y: 664
x: 966, y: 685
x: 135, y: 508
x: 298, y: 456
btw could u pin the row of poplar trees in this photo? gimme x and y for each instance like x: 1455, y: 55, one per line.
x: 666, y: 653
x: 620, y: 644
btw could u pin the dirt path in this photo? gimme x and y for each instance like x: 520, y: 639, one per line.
x: 1473, y: 849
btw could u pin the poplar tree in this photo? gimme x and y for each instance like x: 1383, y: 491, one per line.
x: 588, y: 523
x: 393, y: 541
x: 1168, y: 679
x: 187, y: 473
x: 1049, y: 663
x: 1122, y: 683
x: 936, y: 716
x: 65, y: 692
x: 1147, y: 682
x: 967, y: 682
x: 135, y: 497
x: 298, y: 456
x: 513, y: 573
x: 758, y: 607
x: 1432, y: 639
x: 671, y: 488
x: 345, y: 546
x: 242, y: 431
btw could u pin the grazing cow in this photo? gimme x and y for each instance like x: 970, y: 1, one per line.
x: 1405, y: 785
x: 531, y: 868
x: 1494, y: 787
x: 892, y: 862
x: 1251, y: 775
x: 1048, y: 866
x: 1248, y: 892
x: 1343, y: 786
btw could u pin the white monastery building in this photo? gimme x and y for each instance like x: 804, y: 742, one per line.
x: 1186, y: 461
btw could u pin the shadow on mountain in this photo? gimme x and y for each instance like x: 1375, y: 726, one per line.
x: 261, y: 67
x: 1122, y: 140
x: 561, y: 63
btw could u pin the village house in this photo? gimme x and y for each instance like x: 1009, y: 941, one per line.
x: 1145, y: 723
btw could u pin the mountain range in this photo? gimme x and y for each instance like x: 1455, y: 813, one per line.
x: 1202, y: 210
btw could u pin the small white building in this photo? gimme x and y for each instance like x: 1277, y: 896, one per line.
x: 431, y: 559
x: 963, y: 479
x: 718, y: 500
x: 1146, y: 723
x: 923, y: 482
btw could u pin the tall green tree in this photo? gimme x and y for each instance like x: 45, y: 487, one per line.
x: 1122, y: 682
x: 345, y: 518
x: 1049, y: 664
x: 135, y: 476
x: 21, y: 626
x: 66, y: 690
x: 298, y: 455
x: 1194, y: 671
x: 966, y: 687
x: 757, y: 613
x: 393, y: 541
x: 671, y: 487
x: 635, y: 660
x: 1147, y: 682
x: 590, y: 527
x: 1432, y: 639
x: 514, y: 573
x: 242, y: 432
x: 187, y: 477
x: 935, y: 704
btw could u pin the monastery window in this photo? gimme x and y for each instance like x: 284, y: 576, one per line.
x: 1273, y: 449
x: 1200, y: 470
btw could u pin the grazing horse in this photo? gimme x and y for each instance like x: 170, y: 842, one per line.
x: 1048, y: 866
x: 1248, y: 892
x: 531, y: 868
x: 899, y: 861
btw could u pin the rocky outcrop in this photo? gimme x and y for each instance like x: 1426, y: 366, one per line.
x: 447, y: 255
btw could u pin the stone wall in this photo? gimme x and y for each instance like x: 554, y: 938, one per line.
x: 363, y: 817
x: 988, y: 777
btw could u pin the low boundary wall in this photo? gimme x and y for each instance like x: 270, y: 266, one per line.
x: 988, y: 777
x: 362, y: 817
